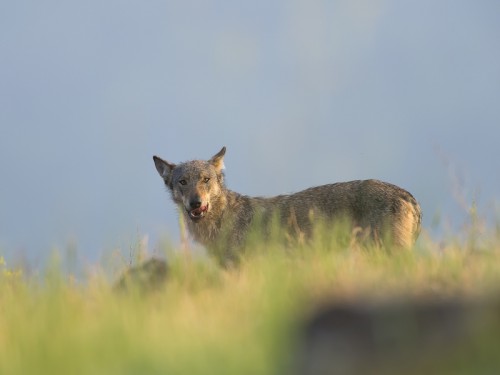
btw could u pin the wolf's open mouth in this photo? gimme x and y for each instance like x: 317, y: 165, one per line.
x: 198, y: 213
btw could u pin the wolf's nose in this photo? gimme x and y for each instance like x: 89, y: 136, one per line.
x: 195, y: 203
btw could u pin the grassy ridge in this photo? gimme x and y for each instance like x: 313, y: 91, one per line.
x: 208, y: 320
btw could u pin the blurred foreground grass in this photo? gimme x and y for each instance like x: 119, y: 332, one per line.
x: 208, y: 320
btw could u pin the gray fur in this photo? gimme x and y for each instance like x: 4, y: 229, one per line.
x: 220, y: 218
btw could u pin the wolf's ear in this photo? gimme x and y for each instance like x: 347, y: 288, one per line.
x: 218, y: 160
x: 164, y: 168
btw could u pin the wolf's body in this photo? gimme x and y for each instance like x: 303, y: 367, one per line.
x: 220, y: 219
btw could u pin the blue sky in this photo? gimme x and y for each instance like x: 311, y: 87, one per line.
x: 301, y: 92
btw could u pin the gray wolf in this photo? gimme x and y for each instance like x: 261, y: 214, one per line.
x: 220, y: 219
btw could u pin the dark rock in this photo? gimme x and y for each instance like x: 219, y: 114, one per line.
x: 148, y: 276
x: 402, y: 337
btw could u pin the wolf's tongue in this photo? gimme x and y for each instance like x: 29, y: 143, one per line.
x: 198, y: 211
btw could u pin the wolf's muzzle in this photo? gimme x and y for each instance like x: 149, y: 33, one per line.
x: 197, y: 209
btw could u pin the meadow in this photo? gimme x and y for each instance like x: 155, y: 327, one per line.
x: 209, y: 320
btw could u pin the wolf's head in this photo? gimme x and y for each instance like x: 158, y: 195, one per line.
x: 194, y: 184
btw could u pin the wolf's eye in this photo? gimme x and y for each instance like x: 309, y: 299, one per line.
x: 206, y: 179
x: 182, y: 182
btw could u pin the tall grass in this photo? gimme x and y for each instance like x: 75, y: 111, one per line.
x: 210, y: 320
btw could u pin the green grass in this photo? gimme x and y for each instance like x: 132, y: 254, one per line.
x: 208, y: 320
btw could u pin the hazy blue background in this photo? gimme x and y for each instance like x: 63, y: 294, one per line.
x: 301, y: 93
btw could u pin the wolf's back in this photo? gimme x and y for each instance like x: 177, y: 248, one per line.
x: 373, y: 204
